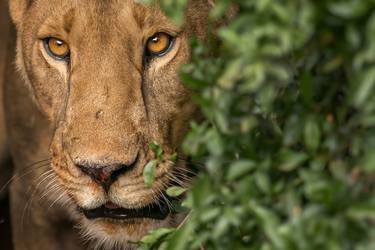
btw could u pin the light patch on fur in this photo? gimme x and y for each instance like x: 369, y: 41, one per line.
x: 20, y: 67
x: 89, y: 197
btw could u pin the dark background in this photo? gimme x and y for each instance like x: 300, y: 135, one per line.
x: 5, y: 230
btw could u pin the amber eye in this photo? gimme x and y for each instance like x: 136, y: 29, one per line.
x: 159, y: 44
x: 57, y: 48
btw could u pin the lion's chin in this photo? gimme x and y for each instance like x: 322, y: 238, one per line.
x: 107, y: 233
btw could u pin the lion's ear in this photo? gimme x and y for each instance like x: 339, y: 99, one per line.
x: 17, y: 9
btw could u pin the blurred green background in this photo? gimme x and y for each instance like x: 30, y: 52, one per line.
x: 287, y: 90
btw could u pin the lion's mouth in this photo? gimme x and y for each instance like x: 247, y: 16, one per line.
x: 111, y: 211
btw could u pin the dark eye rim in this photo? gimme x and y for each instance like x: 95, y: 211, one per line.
x: 65, y: 57
x: 150, y: 54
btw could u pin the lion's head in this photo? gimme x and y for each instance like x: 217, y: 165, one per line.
x: 106, y: 75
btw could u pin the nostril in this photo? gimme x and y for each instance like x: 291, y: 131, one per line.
x: 121, y: 170
x: 95, y: 172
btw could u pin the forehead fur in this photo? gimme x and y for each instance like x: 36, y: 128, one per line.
x: 61, y: 15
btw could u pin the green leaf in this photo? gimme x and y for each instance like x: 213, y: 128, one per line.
x: 175, y: 191
x: 155, y: 235
x: 363, y: 210
x: 269, y: 223
x: 290, y: 160
x: 366, y: 89
x: 180, y: 239
x: 312, y: 134
x: 173, y: 157
x: 240, y: 168
x: 368, y: 162
x: 263, y: 182
x: 149, y: 172
x: 156, y: 148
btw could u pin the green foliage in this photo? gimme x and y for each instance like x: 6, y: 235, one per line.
x: 149, y: 172
x: 173, y: 8
x: 175, y: 191
x: 288, y: 142
x: 150, y: 168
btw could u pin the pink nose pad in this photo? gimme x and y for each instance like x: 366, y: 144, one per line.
x: 104, y: 177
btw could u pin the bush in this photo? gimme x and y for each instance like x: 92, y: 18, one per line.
x: 288, y: 141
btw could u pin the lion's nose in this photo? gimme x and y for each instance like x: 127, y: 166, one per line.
x: 105, y: 175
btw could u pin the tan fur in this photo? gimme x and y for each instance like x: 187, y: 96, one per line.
x: 105, y: 107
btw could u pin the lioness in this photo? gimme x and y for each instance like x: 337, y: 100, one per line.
x: 99, y: 83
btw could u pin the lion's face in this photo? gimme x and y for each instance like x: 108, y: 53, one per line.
x: 115, y: 90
